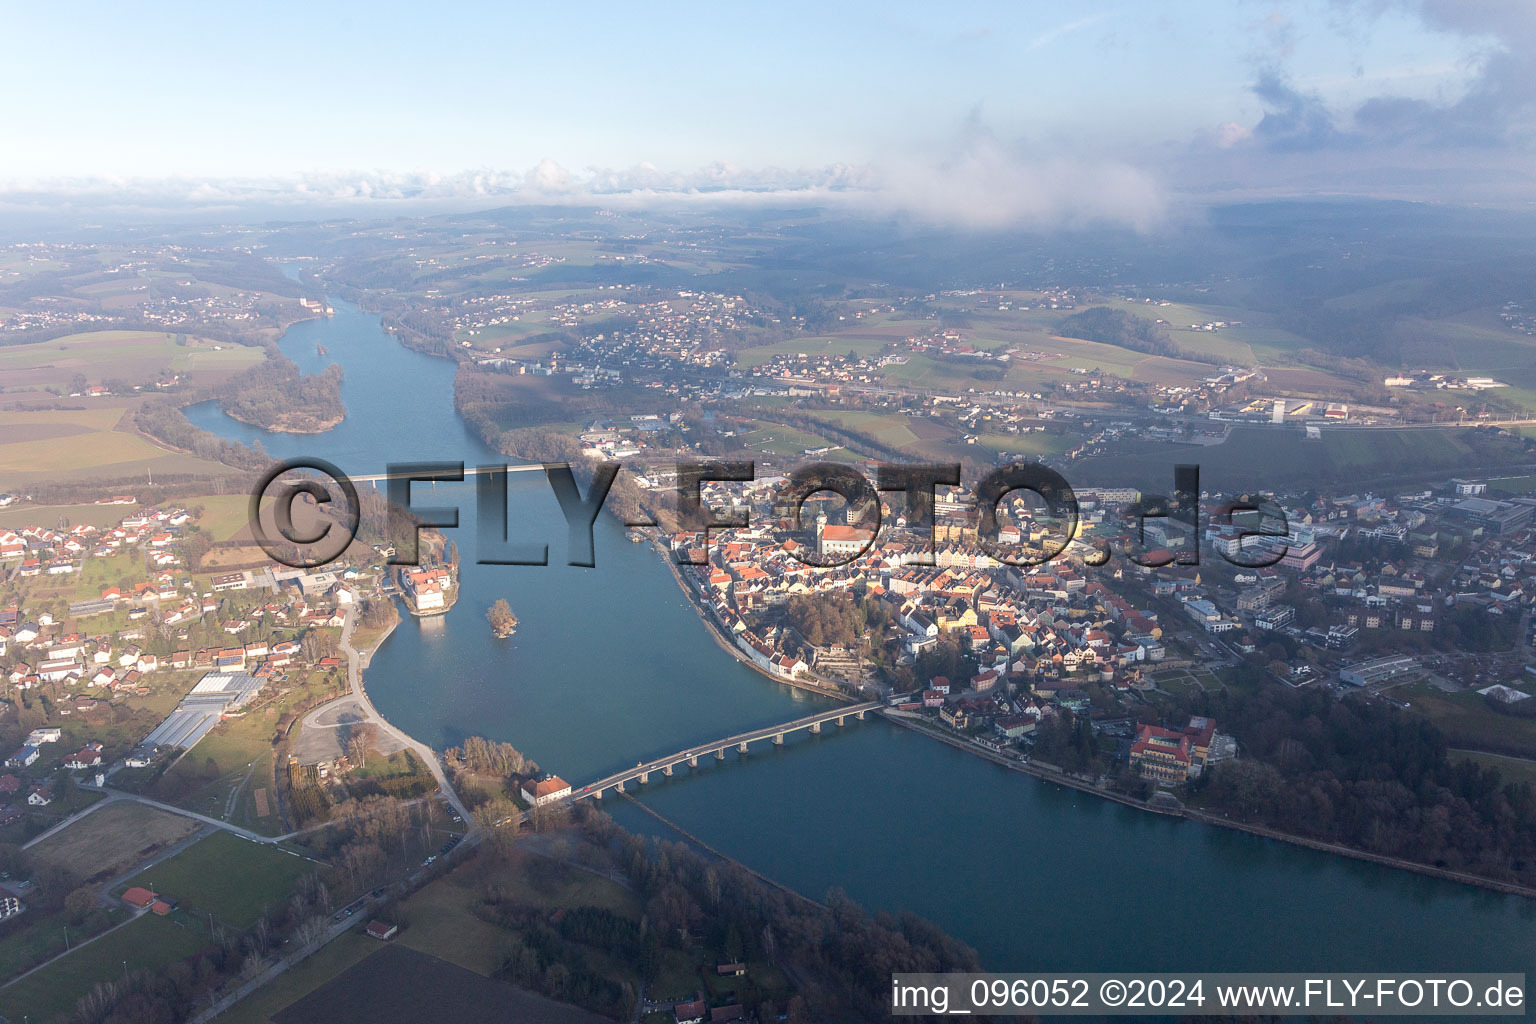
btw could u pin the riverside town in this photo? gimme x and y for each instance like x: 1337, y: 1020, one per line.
x: 741, y: 517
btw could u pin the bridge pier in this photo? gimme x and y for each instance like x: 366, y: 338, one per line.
x: 693, y: 760
x: 840, y: 720
x: 741, y: 748
x: 619, y: 786
x: 645, y: 777
x: 720, y: 754
x: 816, y: 727
x: 667, y: 771
x: 861, y: 716
x: 598, y: 794
x: 778, y: 739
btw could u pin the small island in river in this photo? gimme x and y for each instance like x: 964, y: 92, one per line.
x: 502, y: 621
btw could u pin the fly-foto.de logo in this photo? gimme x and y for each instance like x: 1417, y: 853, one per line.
x: 1053, y: 501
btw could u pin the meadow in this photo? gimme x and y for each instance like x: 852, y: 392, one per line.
x: 90, y: 443
x: 147, y: 943
x: 135, y: 357
x: 1275, y: 459
x: 229, y: 877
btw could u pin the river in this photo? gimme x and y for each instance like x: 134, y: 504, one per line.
x: 612, y: 665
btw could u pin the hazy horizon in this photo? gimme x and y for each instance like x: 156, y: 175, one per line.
x: 984, y: 116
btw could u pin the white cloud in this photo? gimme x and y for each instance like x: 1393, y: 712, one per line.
x: 979, y: 184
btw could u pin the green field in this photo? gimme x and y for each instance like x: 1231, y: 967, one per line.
x: 229, y: 877
x: 890, y: 429
x: 17, y: 516
x: 1513, y: 484
x: 1262, y: 458
x: 149, y: 943
x: 779, y: 439
x: 224, y: 515
x: 1514, y: 769
x: 1469, y: 723
x: 821, y: 345
x: 136, y: 357
x: 54, y: 444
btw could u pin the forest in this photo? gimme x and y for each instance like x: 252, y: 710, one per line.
x: 1117, y: 327
x: 274, y: 395
x: 1368, y: 776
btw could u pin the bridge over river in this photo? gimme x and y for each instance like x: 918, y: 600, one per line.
x: 469, y: 471
x: 690, y: 757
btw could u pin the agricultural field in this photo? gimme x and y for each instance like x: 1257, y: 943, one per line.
x: 113, y: 839
x: 440, y: 926
x: 133, y: 357
x: 1261, y: 458
x: 398, y: 983
x: 298, y: 981
x: 1255, y: 340
x: 229, y: 877
x: 89, y: 443
x: 88, y: 514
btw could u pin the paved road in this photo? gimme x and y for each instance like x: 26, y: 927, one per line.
x: 427, y: 755
x: 327, y: 729
x: 358, y: 697
x: 703, y: 749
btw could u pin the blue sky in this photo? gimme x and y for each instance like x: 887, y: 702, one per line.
x: 155, y: 90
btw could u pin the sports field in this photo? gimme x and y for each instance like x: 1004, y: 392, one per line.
x: 227, y: 876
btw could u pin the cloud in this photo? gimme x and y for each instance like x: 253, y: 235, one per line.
x: 1051, y: 35
x: 1292, y: 120
x: 987, y: 185
x: 1229, y: 134
x: 975, y: 182
x: 1497, y: 110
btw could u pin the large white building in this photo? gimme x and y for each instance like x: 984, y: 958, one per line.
x: 536, y: 794
x: 841, y: 541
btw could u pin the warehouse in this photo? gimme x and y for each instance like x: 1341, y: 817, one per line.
x: 215, y: 695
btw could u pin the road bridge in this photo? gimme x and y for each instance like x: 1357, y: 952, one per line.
x: 690, y: 757
x: 469, y: 471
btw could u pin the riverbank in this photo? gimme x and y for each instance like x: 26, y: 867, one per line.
x: 1085, y: 786
x: 1204, y: 818
x: 718, y: 634
x: 427, y: 755
x: 723, y: 857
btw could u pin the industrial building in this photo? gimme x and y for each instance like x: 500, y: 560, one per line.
x: 1366, y: 673
x: 215, y: 695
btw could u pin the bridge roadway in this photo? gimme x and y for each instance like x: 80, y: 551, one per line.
x: 691, y: 756
x: 469, y: 471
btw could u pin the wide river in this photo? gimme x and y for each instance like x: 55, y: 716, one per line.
x: 612, y: 665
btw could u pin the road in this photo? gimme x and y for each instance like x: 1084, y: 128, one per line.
x: 358, y: 697
x: 703, y: 749
x: 427, y: 755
